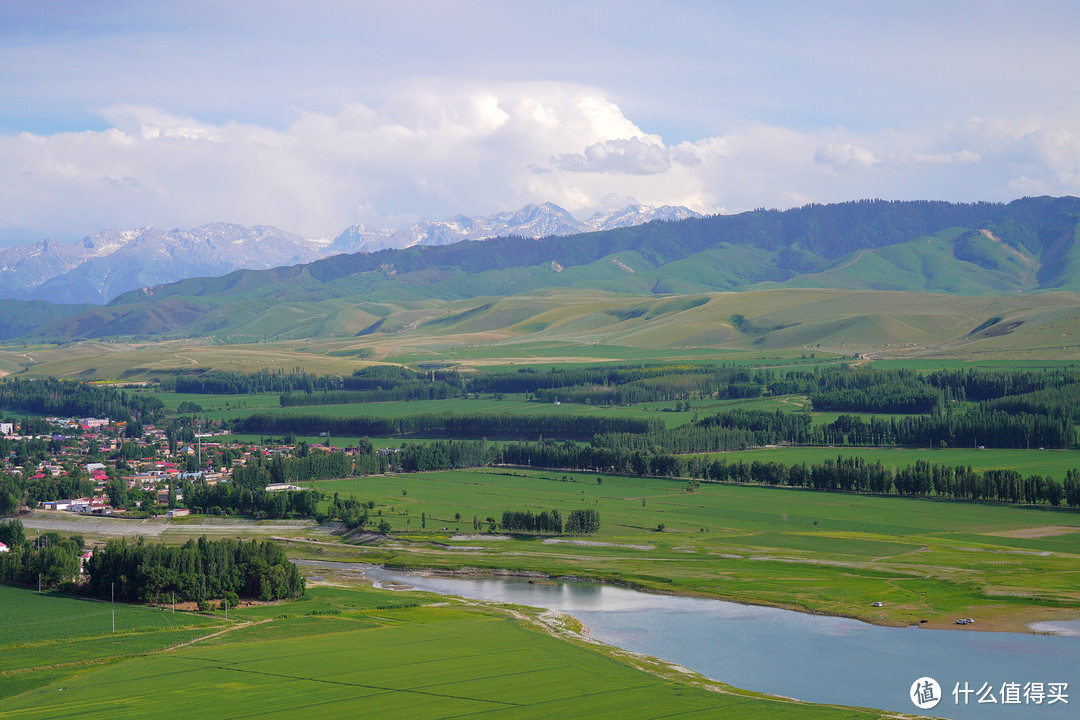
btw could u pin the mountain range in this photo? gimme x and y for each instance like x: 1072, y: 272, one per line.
x: 111, y: 262
x: 669, y: 280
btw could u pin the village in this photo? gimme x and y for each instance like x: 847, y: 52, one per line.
x: 89, y: 466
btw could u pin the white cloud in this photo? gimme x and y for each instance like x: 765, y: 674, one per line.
x: 842, y: 155
x: 632, y: 157
x: 431, y: 150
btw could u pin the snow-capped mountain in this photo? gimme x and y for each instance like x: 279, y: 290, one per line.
x: 533, y: 220
x: 111, y: 262
x: 108, y: 263
x: 639, y: 215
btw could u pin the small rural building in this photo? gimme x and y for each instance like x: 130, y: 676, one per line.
x: 177, y: 512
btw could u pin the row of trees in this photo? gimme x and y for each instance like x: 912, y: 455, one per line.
x: 447, y: 425
x: 853, y: 474
x: 525, y: 521
x: 219, y: 382
x: 578, y: 522
x: 739, y: 429
x: 419, y: 390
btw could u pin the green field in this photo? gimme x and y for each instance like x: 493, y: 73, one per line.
x: 46, y: 635
x: 833, y: 552
x: 363, y: 656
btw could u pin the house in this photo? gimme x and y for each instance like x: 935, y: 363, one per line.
x: 92, y: 423
x: 177, y: 512
x: 7, y: 428
x: 3, y: 547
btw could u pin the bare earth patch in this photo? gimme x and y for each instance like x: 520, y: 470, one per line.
x: 1036, y: 532
x: 594, y: 543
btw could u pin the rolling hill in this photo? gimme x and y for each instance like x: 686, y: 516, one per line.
x: 880, y: 269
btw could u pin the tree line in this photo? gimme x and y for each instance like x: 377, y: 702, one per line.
x: 853, y: 474
x: 446, y: 425
x: 741, y: 429
x: 220, y: 382
x: 578, y: 522
x: 74, y: 398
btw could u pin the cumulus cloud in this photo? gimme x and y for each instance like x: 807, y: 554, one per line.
x: 632, y: 157
x: 430, y: 151
x: 842, y: 155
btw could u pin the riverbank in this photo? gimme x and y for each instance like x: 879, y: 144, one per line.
x: 762, y: 649
x: 992, y: 617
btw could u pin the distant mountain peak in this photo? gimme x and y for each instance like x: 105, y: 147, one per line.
x: 110, y: 262
x: 534, y: 220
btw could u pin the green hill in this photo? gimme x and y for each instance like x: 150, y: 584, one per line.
x: 1026, y: 246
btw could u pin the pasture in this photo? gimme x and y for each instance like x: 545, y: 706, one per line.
x: 830, y: 552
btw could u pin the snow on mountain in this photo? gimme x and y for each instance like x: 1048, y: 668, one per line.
x: 108, y: 263
x: 639, y: 215
x: 111, y: 262
x: 536, y: 221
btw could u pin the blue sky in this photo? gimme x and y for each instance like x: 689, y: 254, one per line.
x: 314, y: 116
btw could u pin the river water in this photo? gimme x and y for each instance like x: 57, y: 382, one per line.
x: 810, y: 657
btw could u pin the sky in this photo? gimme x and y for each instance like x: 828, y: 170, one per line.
x: 314, y: 116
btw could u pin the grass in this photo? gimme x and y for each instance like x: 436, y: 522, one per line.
x: 421, y: 662
x: 43, y: 632
x: 60, y: 617
x: 830, y: 552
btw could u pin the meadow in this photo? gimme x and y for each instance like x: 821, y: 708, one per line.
x: 926, y: 560
x: 349, y: 651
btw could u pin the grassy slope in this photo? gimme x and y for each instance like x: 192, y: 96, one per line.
x: 572, y: 326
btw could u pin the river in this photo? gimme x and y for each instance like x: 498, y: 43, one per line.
x: 815, y: 658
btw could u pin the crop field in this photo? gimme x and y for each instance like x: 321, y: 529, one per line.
x: 384, y: 662
x: 834, y: 552
x: 39, y: 632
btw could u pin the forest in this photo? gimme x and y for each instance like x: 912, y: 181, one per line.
x: 72, y: 398
x: 196, y: 571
